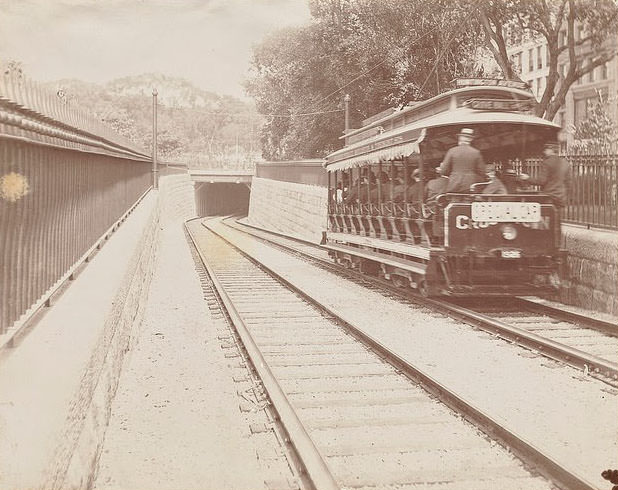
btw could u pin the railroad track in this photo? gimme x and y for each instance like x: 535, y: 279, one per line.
x: 586, y: 343
x: 357, y: 415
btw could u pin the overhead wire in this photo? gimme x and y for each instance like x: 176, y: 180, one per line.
x: 361, y: 75
x: 448, y: 44
x: 402, y: 48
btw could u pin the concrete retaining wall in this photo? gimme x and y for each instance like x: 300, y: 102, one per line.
x: 300, y: 210
x: 294, y: 209
x: 77, y: 456
x: 592, y: 269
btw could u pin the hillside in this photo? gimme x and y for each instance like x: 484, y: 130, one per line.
x: 194, y: 125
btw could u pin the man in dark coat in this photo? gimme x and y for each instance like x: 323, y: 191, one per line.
x: 463, y: 164
x: 495, y: 185
x: 554, y: 176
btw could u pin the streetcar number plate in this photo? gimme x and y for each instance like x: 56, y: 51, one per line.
x: 511, y: 254
x: 523, y: 212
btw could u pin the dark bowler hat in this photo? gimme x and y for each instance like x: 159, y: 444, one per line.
x: 467, y: 132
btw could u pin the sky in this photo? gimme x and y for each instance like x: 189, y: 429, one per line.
x: 205, y: 41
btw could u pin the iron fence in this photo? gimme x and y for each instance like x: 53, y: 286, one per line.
x: 592, y: 193
x: 64, y: 181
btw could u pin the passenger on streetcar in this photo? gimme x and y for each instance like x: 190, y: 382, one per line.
x: 385, y: 189
x: 554, y: 175
x: 339, y: 193
x: 463, y: 164
x: 412, y: 189
x: 495, y: 185
x: 436, y: 186
x: 415, y: 188
x: 351, y: 196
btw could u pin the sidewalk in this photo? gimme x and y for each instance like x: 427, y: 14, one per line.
x: 175, y: 421
x: 48, y: 379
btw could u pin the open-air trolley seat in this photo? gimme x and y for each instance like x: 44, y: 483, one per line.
x: 389, y: 214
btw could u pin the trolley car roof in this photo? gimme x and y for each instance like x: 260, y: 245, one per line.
x: 405, y: 140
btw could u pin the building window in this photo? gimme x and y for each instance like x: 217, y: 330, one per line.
x: 560, y: 119
x: 584, y: 105
x: 530, y: 60
x: 562, y: 38
x: 538, y: 88
x: 591, y: 74
x: 547, y: 55
x: 604, y: 71
x: 516, y: 62
x: 539, y: 58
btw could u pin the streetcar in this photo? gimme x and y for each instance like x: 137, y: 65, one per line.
x: 388, y: 217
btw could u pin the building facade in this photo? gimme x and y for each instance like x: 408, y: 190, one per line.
x: 531, y: 60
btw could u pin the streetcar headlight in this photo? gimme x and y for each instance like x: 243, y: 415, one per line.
x: 509, y: 232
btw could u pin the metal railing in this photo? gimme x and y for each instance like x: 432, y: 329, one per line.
x: 592, y: 194
x: 65, y: 179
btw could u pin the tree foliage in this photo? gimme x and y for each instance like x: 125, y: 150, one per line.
x: 194, y: 126
x: 383, y: 53
x: 570, y: 28
x: 598, y: 129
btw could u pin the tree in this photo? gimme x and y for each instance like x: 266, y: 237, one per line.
x: 567, y: 26
x: 598, y: 129
x: 383, y: 53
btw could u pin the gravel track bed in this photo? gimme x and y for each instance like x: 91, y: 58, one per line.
x: 373, y: 426
x: 573, y: 334
x: 570, y: 333
x: 564, y: 413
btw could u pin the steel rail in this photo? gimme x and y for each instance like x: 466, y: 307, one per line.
x: 317, y: 470
x: 524, y: 450
x: 555, y: 350
x: 608, y: 328
x: 549, y: 348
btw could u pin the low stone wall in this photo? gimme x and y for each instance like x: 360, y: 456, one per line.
x: 290, y: 208
x: 592, y: 269
x: 300, y: 210
x: 77, y: 455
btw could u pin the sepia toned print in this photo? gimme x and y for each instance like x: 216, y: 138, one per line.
x: 308, y: 244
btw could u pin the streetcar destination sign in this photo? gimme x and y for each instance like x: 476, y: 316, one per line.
x: 490, y: 82
x: 498, y: 105
x: 521, y: 212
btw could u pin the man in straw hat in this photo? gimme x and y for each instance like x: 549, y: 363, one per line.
x: 463, y: 164
x: 554, y: 175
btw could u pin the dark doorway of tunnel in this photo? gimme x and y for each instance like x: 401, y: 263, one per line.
x: 220, y: 199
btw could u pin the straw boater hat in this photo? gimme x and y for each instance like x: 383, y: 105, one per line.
x: 467, y: 132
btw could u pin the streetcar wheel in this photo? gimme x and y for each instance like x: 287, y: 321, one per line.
x: 398, y: 281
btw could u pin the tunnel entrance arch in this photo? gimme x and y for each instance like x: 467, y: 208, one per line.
x: 221, y: 191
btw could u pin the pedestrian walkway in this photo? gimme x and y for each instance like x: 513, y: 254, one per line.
x: 175, y: 421
x: 47, y: 380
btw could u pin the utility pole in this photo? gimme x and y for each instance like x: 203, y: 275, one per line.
x: 346, y: 110
x: 155, y: 180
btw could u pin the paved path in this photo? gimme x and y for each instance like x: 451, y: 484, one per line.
x: 176, y: 422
